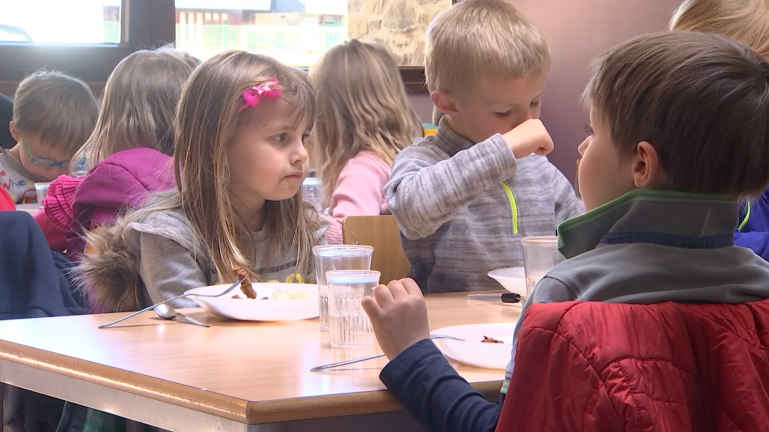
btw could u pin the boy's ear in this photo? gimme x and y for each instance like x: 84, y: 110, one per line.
x: 647, y: 172
x: 14, y: 131
x: 444, y: 102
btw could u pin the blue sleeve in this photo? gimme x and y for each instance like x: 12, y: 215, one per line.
x: 758, y: 242
x: 432, y: 391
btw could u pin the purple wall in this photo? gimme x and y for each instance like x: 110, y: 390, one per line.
x: 577, y: 32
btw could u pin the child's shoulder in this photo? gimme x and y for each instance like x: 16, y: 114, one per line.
x: 428, y: 149
x: 169, y: 224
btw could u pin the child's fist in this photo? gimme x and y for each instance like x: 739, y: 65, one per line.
x: 399, y: 316
x: 529, y: 137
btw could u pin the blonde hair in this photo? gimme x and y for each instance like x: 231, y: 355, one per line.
x: 362, y: 106
x: 482, y: 39
x: 138, y: 108
x: 744, y: 21
x: 207, y: 123
x: 60, y: 108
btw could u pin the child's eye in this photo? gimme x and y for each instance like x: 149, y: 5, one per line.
x: 305, y: 137
x: 280, y: 137
x: 535, y: 103
x: 503, y: 114
x: 589, y: 129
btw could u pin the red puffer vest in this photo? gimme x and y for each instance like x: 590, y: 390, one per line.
x: 592, y: 366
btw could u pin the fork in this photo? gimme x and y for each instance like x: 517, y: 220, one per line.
x: 362, y: 359
x: 232, y: 287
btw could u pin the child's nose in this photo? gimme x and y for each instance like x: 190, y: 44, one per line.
x: 300, y: 155
x: 583, y: 146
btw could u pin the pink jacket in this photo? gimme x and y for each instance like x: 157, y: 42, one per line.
x: 358, y: 192
x: 119, y: 182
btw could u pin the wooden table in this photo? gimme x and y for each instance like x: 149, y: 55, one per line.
x: 234, y: 376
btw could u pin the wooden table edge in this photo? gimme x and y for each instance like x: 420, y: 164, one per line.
x: 127, y: 381
x: 243, y: 411
x: 369, y: 402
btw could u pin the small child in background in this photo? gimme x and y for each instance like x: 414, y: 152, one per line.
x: 364, y: 121
x: 747, y: 22
x: 53, y: 115
x: 129, y: 152
x: 465, y: 196
x: 239, y: 164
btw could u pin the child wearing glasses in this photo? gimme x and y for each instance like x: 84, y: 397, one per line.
x: 127, y: 156
x: 53, y: 115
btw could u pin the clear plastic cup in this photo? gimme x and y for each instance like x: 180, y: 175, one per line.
x: 332, y: 258
x: 42, y: 192
x: 350, y: 326
x: 540, y: 254
x: 312, y: 192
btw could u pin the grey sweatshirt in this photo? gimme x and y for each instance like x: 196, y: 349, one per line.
x: 458, y: 221
x: 172, y: 259
x: 650, y: 246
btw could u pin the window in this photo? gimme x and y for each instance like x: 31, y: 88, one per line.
x: 56, y: 21
x: 296, y: 32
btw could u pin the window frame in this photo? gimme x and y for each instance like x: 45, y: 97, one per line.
x: 143, y: 24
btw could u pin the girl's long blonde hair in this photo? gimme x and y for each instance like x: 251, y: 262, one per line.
x: 207, y: 123
x: 138, y: 107
x: 362, y: 105
x: 744, y: 21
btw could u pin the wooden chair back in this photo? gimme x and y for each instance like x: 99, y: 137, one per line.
x: 382, y: 233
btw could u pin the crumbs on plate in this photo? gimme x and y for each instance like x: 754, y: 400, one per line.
x: 487, y: 339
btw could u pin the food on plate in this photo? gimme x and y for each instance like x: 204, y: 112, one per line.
x: 245, y: 285
x: 487, y: 339
x: 281, y: 294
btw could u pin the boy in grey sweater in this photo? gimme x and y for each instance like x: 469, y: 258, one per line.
x: 465, y: 196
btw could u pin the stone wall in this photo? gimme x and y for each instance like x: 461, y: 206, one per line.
x: 398, y: 23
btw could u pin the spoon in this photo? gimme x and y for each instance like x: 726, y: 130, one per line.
x: 166, y: 312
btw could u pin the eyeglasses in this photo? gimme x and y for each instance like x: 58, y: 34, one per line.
x: 42, y: 162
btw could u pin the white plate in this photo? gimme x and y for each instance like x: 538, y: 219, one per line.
x: 473, y: 352
x: 513, y: 279
x: 246, y: 309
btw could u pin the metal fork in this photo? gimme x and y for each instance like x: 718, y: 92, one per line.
x: 362, y: 359
x: 232, y: 287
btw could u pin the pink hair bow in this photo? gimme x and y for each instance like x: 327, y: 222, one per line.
x: 252, y: 96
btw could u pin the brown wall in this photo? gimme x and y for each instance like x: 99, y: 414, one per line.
x: 577, y: 32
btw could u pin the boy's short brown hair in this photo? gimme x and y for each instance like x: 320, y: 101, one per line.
x: 700, y: 99
x: 482, y: 39
x: 60, y: 108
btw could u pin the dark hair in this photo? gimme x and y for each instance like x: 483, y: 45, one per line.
x: 700, y: 99
x: 60, y: 108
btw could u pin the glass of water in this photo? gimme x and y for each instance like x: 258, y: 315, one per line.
x: 350, y: 326
x: 540, y: 254
x: 312, y: 192
x: 338, y: 257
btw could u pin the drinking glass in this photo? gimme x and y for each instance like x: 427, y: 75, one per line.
x: 339, y: 257
x: 350, y: 326
x: 540, y: 254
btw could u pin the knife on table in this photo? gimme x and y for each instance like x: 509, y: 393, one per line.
x: 504, y: 298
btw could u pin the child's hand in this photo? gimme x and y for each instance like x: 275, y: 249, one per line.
x: 399, y: 316
x: 529, y: 137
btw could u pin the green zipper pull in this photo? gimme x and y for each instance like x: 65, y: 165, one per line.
x: 513, y: 207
